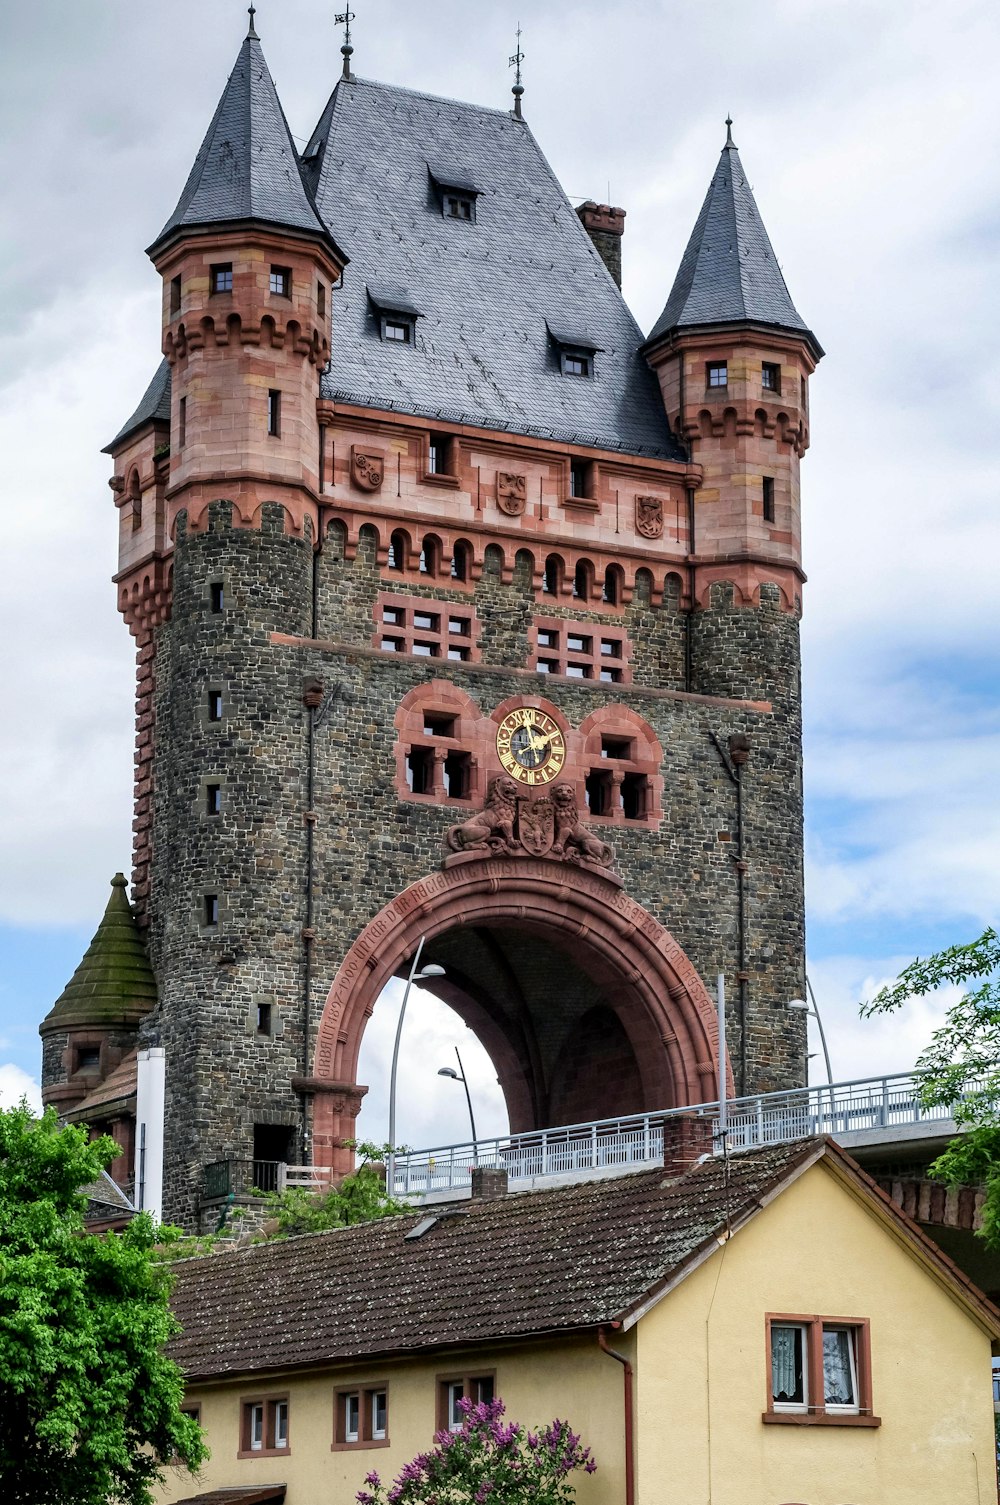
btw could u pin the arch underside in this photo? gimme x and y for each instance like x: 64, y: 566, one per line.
x: 587, y: 1006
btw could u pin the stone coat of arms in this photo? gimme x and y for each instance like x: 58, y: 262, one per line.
x: 367, y: 469
x: 512, y: 492
x: 649, y: 516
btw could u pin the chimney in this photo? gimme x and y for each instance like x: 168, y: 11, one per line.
x: 605, y: 226
x: 489, y: 1182
x: 687, y: 1137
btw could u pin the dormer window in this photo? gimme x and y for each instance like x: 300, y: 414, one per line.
x: 459, y: 206
x: 396, y: 313
x: 281, y: 281
x: 456, y: 191
x: 718, y: 374
x: 576, y: 350
x: 220, y: 277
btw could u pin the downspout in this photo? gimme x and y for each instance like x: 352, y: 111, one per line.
x: 733, y: 760
x: 626, y: 1364
x: 689, y: 624
x: 312, y: 696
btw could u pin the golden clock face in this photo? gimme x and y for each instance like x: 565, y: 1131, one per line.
x: 530, y: 746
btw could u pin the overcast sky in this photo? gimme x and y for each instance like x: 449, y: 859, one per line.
x: 867, y: 129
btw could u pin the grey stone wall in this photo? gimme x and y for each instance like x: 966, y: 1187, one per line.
x: 223, y: 1077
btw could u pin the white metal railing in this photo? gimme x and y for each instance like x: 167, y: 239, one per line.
x: 867, y: 1106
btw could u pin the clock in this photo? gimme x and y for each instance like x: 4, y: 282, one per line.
x: 530, y: 746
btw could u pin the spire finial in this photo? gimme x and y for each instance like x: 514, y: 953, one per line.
x: 344, y: 20
x: 515, y: 63
x: 729, y: 131
x: 252, y: 11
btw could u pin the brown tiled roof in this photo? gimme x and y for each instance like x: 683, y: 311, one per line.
x: 260, y: 1494
x: 535, y: 1262
x: 118, y: 1086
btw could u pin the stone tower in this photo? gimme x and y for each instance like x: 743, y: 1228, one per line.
x: 464, y: 613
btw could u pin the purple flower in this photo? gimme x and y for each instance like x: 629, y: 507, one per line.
x: 373, y: 1479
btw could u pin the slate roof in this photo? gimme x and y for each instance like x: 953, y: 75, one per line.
x: 729, y: 272
x: 248, y: 167
x: 539, y: 1262
x: 486, y: 289
x: 154, y: 407
x: 114, y: 982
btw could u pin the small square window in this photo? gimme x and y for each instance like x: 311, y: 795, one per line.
x: 427, y: 650
x: 770, y: 376
x: 210, y: 911
x: 438, y: 726
x: 577, y: 644
x: 617, y: 747
x: 548, y: 666
x: 579, y: 671
x: 213, y: 799
x: 574, y: 364
x: 399, y: 330
x: 767, y: 490
x: 220, y: 278
x: 425, y: 621
x: 395, y: 616
x: 88, y: 1058
x: 458, y: 627
x: 274, y: 413
x: 391, y: 645
x: 548, y: 638
x: 215, y: 705
x: 216, y: 596
x: 718, y: 374
x: 458, y: 654
x: 611, y: 648
x: 611, y: 676
x: 281, y: 281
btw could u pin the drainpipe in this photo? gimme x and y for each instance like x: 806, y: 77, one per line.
x: 626, y: 1364
x: 689, y: 624
x: 733, y: 759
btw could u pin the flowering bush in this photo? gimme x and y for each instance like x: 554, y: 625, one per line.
x: 488, y: 1462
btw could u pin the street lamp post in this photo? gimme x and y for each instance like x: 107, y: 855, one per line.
x: 459, y: 1076
x: 431, y: 970
x: 802, y: 1006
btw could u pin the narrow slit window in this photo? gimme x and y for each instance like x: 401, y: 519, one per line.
x: 215, y: 705
x: 264, y: 1018
x: 175, y: 295
x: 182, y: 422
x: 578, y: 478
x: 216, y: 596
x: 274, y: 413
x: 552, y: 575
x: 210, y: 911
x: 352, y: 1417
x: 458, y: 775
x: 768, y: 498
x: 213, y: 799
x: 397, y: 552
x: 321, y: 300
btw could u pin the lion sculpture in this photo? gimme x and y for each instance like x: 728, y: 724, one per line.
x: 573, y: 841
x: 491, y: 827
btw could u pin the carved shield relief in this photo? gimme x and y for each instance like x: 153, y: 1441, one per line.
x: 367, y: 468
x: 512, y: 492
x: 536, y: 825
x: 649, y: 516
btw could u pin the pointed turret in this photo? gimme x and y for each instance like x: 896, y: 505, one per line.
x: 248, y: 167
x: 729, y: 273
x: 93, y: 1022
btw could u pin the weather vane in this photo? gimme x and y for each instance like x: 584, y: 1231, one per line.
x: 344, y: 20
x: 515, y: 63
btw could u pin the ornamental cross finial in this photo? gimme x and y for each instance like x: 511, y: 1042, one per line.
x: 252, y: 11
x: 515, y: 63
x: 344, y: 19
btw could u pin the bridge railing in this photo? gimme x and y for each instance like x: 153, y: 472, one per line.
x: 866, y: 1105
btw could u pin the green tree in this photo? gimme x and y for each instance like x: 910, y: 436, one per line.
x: 89, y: 1405
x: 488, y: 1462
x: 360, y: 1198
x: 962, y: 1062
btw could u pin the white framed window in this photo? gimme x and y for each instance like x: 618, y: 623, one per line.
x: 819, y: 1368
x: 840, y: 1369
x: 352, y: 1417
x: 257, y: 1426
x: 456, y: 1392
x: 281, y: 1424
x: 789, y: 1369
x: 379, y: 1414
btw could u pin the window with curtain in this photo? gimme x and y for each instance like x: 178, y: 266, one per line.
x: 788, y: 1375
x: 839, y: 1383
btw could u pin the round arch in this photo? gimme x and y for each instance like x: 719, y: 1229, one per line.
x: 659, y: 997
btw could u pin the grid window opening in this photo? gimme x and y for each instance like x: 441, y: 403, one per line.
x: 770, y: 376
x: 547, y: 666
x: 407, y: 626
x: 569, y: 649
x: 221, y: 277
x: 548, y: 637
x: 425, y: 650
x: 216, y: 596
x: 426, y: 621
x: 175, y: 295
x: 767, y: 491
x: 392, y: 645
x: 577, y: 643
x: 213, y: 799
x: 458, y: 775
x: 610, y: 675
x: 718, y: 373
x: 215, y: 705
x: 393, y: 616
x: 281, y: 281
x: 420, y: 770
x: 274, y: 413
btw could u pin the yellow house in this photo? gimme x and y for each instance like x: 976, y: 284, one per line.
x: 767, y: 1329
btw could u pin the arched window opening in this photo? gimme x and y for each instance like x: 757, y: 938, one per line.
x: 552, y: 578
x: 429, y: 557
x: 397, y: 551
x: 582, y: 580
x: 135, y: 499
x: 611, y: 595
x: 461, y: 561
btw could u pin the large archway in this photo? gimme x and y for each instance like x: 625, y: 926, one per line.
x: 626, y: 1027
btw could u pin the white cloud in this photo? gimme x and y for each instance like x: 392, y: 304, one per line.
x: 15, y: 1084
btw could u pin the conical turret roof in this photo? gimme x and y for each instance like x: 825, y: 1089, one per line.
x: 114, y: 983
x: 729, y: 272
x: 247, y: 168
